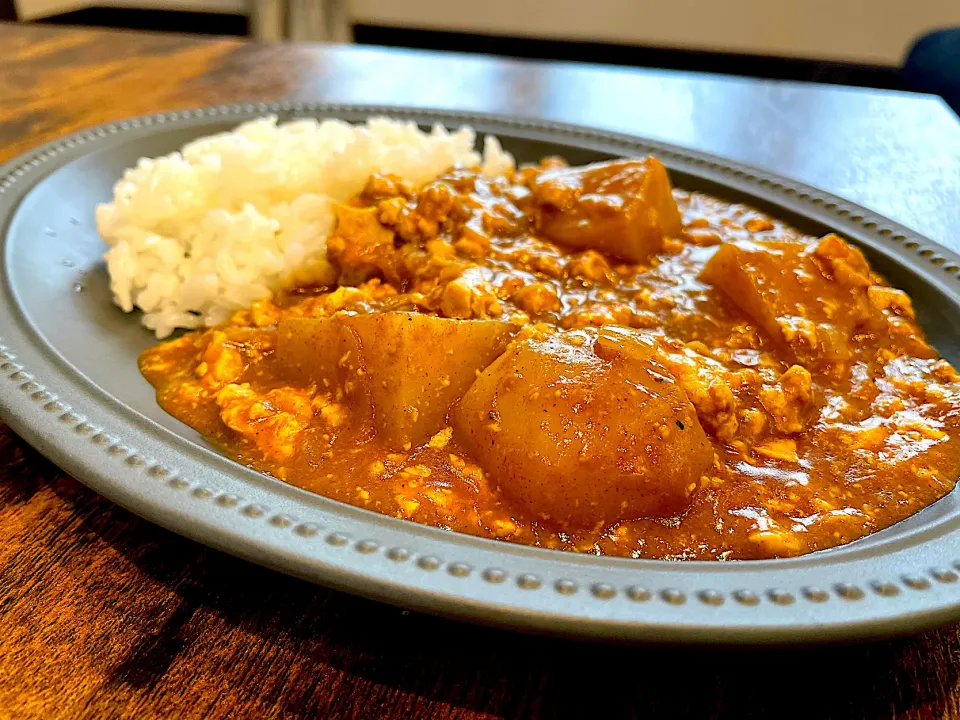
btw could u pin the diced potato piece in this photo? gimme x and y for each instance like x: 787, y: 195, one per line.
x: 410, y: 368
x: 326, y: 353
x: 418, y: 365
x: 585, y: 427
x: 623, y: 208
x: 317, y: 350
x: 781, y: 288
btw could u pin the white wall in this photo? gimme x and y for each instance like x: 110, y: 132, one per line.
x: 33, y: 9
x: 868, y: 31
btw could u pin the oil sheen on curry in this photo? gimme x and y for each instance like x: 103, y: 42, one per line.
x: 584, y: 359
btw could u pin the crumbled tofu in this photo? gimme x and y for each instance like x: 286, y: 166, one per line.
x: 417, y: 471
x: 536, y: 299
x: 264, y: 313
x: 222, y: 362
x: 407, y: 506
x: 870, y: 438
x: 469, y: 297
x: 847, y: 264
x: 945, y: 372
x: 707, y: 384
x: 752, y: 422
x: 440, y: 440
x: 798, y: 329
x: 332, y: 413
x: 888, y: 298
x: 779, y: 449
x: 272, y: 420
x: 789, y: 401
x: 757, y: 225
x: 776, y: 542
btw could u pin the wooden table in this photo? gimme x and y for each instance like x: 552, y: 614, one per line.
x: 104, y: 615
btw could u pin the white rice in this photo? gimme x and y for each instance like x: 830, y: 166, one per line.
x: 200, y: 233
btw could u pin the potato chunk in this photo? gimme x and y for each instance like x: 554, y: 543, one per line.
x: 781, y: 287
x: 326, y: 353
x: 623, y: 208
x: 322, y: 351
x: 419, y: 365
x: 585, y: 427
x: 410, y: 367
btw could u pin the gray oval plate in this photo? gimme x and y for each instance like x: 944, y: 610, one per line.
x: 69, y: 384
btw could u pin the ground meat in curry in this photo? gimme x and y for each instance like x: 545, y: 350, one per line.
x: 584, y: 359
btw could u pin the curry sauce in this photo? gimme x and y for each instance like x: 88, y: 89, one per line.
x: 583, y: 359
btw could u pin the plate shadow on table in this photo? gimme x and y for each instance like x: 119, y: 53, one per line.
x: 239, y: 637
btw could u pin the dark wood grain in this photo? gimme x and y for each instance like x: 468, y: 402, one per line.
x: 103, y: 615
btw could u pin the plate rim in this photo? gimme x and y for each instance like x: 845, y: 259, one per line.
x: 494, y: 583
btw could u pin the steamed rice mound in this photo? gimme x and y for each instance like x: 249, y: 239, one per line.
x: 201, y: 233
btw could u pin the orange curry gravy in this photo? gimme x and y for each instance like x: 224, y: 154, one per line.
x: 584, y: 359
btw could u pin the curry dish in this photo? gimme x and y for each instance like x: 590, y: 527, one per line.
x: 584, y: 359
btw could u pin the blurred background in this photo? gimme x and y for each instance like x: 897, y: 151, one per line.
x: 852, y: 42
